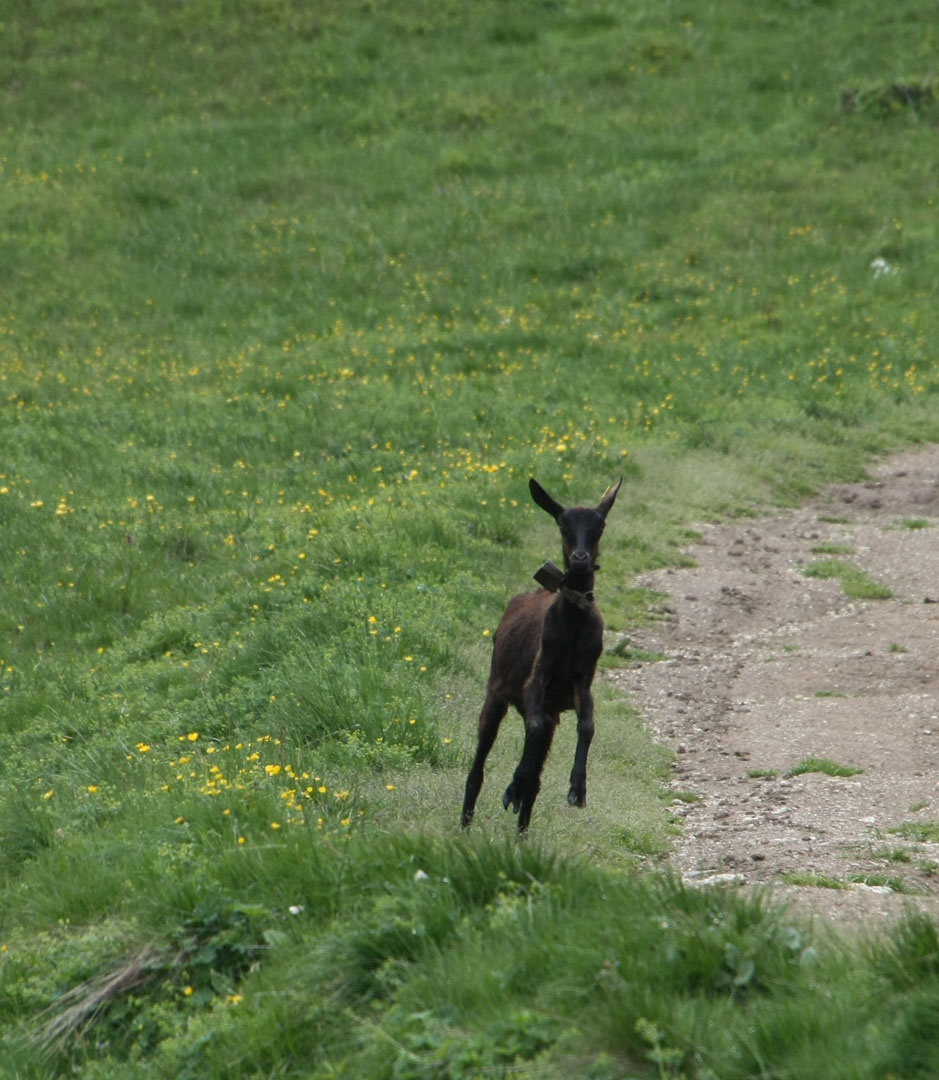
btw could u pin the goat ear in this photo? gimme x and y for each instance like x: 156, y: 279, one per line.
x: 606, y: 503
x: 544, y: 500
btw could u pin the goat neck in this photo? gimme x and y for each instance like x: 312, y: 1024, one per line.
x: 577, y: 589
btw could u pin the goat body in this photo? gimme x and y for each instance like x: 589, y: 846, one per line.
x: 544, y: 658
x: 541, y: 643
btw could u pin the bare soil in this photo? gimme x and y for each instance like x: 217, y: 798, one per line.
x: 765, y: 667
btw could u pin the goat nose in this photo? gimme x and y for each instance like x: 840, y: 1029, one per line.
x: 580, y: 557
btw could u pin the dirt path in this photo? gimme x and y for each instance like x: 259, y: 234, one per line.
x: 766, y: 667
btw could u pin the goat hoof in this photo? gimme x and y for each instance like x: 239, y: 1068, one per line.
x: 576, y: 799
x: 508, y: 799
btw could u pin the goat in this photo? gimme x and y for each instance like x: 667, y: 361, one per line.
x: 544, y: 657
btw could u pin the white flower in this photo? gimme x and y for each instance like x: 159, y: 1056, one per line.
x: 421, y: 876
x: 881, y: 267
x: 295, y: 909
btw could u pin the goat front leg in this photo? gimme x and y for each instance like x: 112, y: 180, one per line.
x: 577, y: 796
x: 526, y: 781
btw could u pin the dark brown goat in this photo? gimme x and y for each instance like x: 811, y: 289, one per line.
x: 544, y: 657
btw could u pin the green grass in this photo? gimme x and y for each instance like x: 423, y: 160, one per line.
x: 889, y: 881
x: 294, y: 300
x: 897, y: 854
x: 689, y: 797
x: 823, y: 765
x: 825, y: 881
x: 809, y: 880
x: 831, y: 548
x: 855, y: 582
x: 625, y: 653
x: 926, y: 832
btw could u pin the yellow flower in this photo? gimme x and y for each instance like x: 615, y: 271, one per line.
x: 241, y: 839
x: 275, y: 824
x: 92, y: 788
x: 142, y: 748
x: 193, y: 736
x: 272, y: 770
x: 389, y: 787
x: 187, y: 990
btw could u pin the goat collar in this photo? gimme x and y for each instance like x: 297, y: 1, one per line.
x: 583, y: 600
x: 553, y: 578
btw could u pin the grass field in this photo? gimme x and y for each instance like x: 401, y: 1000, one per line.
x: 295, y: 298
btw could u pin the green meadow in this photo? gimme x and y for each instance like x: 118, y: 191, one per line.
x: 294, y: 298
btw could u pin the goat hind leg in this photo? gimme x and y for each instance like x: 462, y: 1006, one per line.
x: 493, y: 710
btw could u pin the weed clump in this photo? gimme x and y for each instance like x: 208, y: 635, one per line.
x: 915, y: 97
x: 825, y: 766
x: 855, y: 582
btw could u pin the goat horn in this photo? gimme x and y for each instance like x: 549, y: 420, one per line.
x: 609, y: 497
